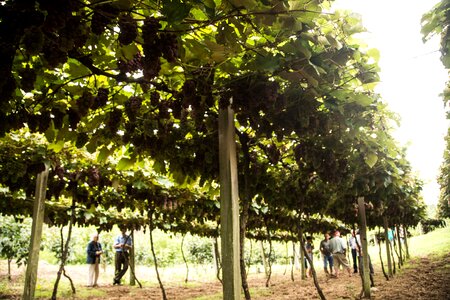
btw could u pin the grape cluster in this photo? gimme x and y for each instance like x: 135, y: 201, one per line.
x: 154, y: 98
x: 58, y: 117
x: 93, y: 175
x: 84, y: 103
x: 59, y: 171
x: 38, y: 122
x: 188, y: 93
x: 101, y: 99
x: 27, y: 78
x: 132, y: 65
x: 132, y: 107
x: 114, y: 120
x: 104, y: 15
x: 169, y: 46
x: 152, y: 53
x: 74, y: 117
x: 128, y: 29
x: 254, y: 93
x: 150, y: 30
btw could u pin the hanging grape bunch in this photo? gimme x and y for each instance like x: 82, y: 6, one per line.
x: 130, y: 66
x: 132, y: 107
x: 93, y: 176
x: 151, y: 62
x: 114, y: 120
x: 74, y: 117
x: 104, y: 15
x: 57, y: 117
x: 84, y: 103
x: 101, y: 99
x: 128, y: 29
x: 169, y: 46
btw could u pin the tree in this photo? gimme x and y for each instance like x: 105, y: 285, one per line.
x: 14, y: 240
x: 437, y: 22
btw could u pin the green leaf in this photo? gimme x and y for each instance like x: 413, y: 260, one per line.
x: 371, y: 159
x: 57, y: 147
x: 374, y: 53
x: 159, y: 166
x: 128, y: 52
x: 268, y: 63
x: 103, y: 154
x: 76, y: 69
x: 363, y: 99
x: 125, y: 163
x: 175, y: 10
x: 333, y: 42
x: 50, y: 134
x: 218, y: 52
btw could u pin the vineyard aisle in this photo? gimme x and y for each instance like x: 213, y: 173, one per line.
x: 425, y: 276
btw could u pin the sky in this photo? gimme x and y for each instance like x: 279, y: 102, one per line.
x: 412, y: 77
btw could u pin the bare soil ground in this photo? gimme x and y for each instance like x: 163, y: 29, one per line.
x: 422, y: 278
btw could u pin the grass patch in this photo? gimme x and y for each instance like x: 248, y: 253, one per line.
x: 434, y: 243
x: 66, y: 292
x: 255, y: 292
x: 217, y: 296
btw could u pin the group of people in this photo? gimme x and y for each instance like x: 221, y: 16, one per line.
x: 122, y: 244
x: 334, y: 252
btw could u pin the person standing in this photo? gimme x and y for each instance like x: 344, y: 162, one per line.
x: 309, y: 252
x: 338, y: 248
x: 354, y: 248
x: 122, y: 244
x: 360, y: 261
x: 326, y: 253
x: 94, y: 251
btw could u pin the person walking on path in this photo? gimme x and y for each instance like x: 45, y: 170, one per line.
x: 122, y: 244
x: 354, y: 248
x: 338, y: 248
x: 309, y: 251
x: 326, y: 253
x: 94, y: 251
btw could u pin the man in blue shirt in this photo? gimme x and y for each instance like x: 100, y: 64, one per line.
x: 122, y: 244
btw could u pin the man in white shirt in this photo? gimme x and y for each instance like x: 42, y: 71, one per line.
x: 122, y: 244
x: 354, y: 247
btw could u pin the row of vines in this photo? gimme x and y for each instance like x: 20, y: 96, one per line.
x: 120, y: 101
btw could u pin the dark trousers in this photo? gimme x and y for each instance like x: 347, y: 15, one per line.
x: 371, y: 271
x: 121, y: 265
x: 355, y: 264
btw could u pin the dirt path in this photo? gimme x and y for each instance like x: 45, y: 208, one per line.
x: 424, y: 278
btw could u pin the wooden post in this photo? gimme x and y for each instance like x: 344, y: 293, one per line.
x: 365, y: 253
x: 405, y: 235
x: 302, y: 257
x: 388, y: 249
x: 264, y: 259
x: 229, y: 206
x: 399, y: 245
x: 36, y: 234
x: 132, y: 262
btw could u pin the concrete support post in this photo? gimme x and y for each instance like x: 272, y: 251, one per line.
x: 229, y: 206
x: 36, y: 235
